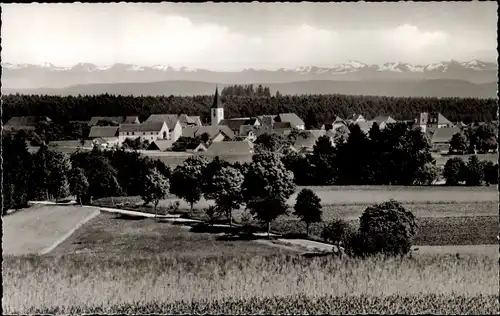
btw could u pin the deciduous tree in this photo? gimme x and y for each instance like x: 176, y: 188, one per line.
x: 156, y: 188
x: 79, y: 185
x: 227, y: 183
x: 267, y: 186
x: 308, y: 208
x: 186, y: 181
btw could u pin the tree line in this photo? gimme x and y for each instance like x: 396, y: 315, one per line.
x: 262, y: 186
x: 246, y: 91
x: 313, y: 109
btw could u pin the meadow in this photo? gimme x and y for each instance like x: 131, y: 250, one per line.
x: 39, y: 227
x: 277, y: 284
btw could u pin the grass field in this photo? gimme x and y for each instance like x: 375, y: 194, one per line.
x: 34, y: 229
x: 367, y: 195
x: 109, y: 233
x: 254, y: 284
x: 433, y: 231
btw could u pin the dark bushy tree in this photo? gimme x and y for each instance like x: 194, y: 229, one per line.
x: 490, y: 172
x: 186, y: 180
x: 79, y: 185
x: 458, y: 144
x: 308, y: 207
x: 454, y: 171
x: 267, y: 186
x: 385, y: 228
x: 338, y: 232
x: 474, y: 171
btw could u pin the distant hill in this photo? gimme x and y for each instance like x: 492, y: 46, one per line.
x: 396, y: 88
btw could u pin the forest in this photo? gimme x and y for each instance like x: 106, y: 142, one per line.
x: 313, y: 109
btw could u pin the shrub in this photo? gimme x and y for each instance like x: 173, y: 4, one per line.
x: 385, y: 228
x: 490, y: 172
x: 474, y: 171
x: 338, y: 232
x: 454, y: 171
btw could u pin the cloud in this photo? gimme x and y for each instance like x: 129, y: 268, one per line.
x: 68, y: 34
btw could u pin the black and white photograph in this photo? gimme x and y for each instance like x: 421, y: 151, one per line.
x: 249, y: 158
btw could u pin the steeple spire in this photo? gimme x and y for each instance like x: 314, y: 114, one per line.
x: 216, y: 104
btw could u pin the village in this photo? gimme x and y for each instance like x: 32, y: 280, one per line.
x: 177, y: 135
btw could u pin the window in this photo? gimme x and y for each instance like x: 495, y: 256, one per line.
x: 132, y: 133
x: 127, y: 133
x: 143, y: 133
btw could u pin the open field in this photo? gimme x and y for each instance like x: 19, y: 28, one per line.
x: 37, y: 228
x: 280, y: 284
x: 367, y: 195
x: 433, y: 231
x: 109, y: 233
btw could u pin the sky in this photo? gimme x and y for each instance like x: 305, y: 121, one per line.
x: 234, y: 36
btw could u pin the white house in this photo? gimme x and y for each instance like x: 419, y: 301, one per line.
x: 109, y: 134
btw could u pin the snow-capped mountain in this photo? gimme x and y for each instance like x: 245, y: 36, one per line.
x: 48, y: 75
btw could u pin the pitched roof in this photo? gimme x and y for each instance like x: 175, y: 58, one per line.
x: 154, y: 126
x: 384, y: 119
x: 103, y: 131
x: 124, y: 128
x: 161, y: 117
x: 189, y: 131
x: 267, y: 120
x: 212, y: 131
x: 282, y: 125
x: 292, y: 118
x: 443, y: 120
x: 365, y: 126
x: 70, y: 143
x: 195, y: 145
x: 256, y: 129
x: 117, y: 119
x: 235, y: 123
x: 216, y: 103
x: 26, y: 120
x: 231, y: 147
x: 161, y: 144
x: 444, y: 135
x: 310, y: 140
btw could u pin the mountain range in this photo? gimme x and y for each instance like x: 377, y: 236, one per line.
x: 445, y: 79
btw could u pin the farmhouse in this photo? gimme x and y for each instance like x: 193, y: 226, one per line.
x: 27, y: 123
x: 186, y: 120
x: 383, y: 121
x: 429, y: 122
x: 116, y: 119
x: 235, y: 124
x: 108, y: 135
x: 160, y: 144
x: 195, y: 147
x: 215, y: 133
x: 441, y: 138
x: 336, y: 123
x: 305, y: 143
x: 292, y: 119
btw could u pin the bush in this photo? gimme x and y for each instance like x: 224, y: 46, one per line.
x: 474, y: 172
x: 385, y: 228
x: 338, y: 232
x: 454, y: 171
x: 490, y: 171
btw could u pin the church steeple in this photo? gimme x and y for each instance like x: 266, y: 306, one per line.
x: 217, y: 104
x: 217, y: 111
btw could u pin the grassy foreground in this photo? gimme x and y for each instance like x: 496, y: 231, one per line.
x: 249, y: 284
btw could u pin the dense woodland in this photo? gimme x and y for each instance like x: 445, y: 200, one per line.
x: 246, y: 91
x: 313, y: 109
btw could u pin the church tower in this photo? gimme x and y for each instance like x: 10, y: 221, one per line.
x: 217, y: 111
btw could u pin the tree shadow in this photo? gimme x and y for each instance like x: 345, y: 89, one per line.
x: 129, y: 217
